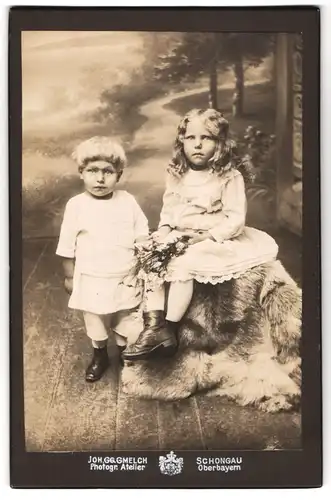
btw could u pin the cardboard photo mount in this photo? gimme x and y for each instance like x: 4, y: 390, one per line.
x: 179, y: 468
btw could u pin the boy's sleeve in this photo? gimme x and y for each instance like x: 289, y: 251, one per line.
x: 67, y: 241
x: 141, y: 223
x: 233, y: 213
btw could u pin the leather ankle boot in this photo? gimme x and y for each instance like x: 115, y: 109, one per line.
x: 156, y: 339
x: 174, y: 326
x: 98, y: 365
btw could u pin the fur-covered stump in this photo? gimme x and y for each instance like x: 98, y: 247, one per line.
x: 239, y: 339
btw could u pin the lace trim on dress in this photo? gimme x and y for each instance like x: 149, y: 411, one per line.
x: 153, y: 281
x: 213, y: 280
x: 184, y: 275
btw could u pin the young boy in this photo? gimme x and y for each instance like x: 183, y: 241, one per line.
x: 98, y: 232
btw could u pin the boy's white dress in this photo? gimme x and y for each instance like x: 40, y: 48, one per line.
x: 203, y: 200
x: 100, y: 235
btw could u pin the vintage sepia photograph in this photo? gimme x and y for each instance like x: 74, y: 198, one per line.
x: 162, y: 240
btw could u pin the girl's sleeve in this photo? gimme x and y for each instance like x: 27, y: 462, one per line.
x: 140, y: 222
x: 233, y: 213
x: 166, y: 215
x: 67, y: 241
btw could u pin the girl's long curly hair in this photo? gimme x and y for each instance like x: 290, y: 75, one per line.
x: 226, y: 156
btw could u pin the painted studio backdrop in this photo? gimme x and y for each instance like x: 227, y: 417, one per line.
x: 136, y: 86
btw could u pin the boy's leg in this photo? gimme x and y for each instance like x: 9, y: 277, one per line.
x: 120, y: 341
x: 96, y: 329
x: 99, y: 344
x: 126, y: 326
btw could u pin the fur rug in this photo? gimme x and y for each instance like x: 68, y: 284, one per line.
x: 239, y: 339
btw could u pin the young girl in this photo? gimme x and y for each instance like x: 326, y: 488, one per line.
x: 204, y: 198
x: 98, y: 233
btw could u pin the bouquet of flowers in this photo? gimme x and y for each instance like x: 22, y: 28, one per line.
x: 153, y: 257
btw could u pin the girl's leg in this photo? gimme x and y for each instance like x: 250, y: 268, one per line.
x: 155, y: 299
x: 159, y: 336
x: 156, y: 339
x: 96, y: 328
x: 180, y: 296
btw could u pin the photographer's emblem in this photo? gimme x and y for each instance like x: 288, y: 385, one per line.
x: 170, y: 464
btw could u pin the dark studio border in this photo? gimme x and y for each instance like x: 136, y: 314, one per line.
x: 302, y: 468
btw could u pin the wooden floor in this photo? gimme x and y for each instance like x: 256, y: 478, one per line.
x: 63, y: 413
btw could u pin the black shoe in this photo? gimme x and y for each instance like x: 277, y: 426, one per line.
x: 98, y: 365
x: 156, y: 340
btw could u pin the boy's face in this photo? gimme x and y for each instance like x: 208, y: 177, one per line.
x: 100, y: 178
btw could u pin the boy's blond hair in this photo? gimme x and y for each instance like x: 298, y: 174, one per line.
x: 100, y: 148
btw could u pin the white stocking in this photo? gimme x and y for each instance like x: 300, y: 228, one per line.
x: 155, y: 299
x: 180, y: 296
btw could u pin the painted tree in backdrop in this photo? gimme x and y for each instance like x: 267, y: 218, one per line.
x: 198, y: 54
x: 239, y: 52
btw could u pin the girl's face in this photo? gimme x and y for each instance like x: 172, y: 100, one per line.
x: 100, y: 178
x: 198, y: 143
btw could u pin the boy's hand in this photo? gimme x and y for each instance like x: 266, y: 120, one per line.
x: 68, y: 285
x: 68, y: 271
x: 142, y: 240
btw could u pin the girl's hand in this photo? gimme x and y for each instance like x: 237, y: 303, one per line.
x: 68, y: 285
x: 199, y: 236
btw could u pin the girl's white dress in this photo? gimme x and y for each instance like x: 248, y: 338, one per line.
x: 100, y: 234
x: 205, y: 201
